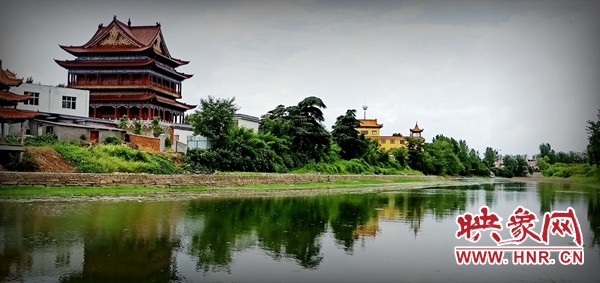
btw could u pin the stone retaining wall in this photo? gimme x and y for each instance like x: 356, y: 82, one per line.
x: 150, y: 180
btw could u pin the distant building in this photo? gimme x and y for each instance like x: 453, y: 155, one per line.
x: 371, y: 129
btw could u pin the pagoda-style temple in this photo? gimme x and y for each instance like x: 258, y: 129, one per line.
x: 416, y: 131
x: 128, y: 71
x: 9, y: 114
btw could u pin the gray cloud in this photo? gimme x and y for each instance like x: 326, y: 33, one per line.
x: 506, y: 74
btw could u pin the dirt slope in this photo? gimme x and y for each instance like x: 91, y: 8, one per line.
x: 49, y: 160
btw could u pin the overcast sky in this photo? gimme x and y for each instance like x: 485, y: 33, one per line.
x: 505, y: 74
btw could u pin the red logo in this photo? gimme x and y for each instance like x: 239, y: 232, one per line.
x: 522, y: 225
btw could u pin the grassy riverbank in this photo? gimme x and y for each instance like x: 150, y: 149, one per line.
x: 36, y: 192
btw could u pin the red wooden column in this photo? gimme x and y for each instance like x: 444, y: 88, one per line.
x: 140, y: 113
x: 94, y: 115
x: 149, y: 113
x: 128, y: 115
x: 116, y: 112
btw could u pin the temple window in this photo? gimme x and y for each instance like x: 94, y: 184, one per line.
x: 374, y: 133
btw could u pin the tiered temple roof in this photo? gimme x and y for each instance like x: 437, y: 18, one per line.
x: 9, y: 100
x: 416, y: 129
x: 128, y: 66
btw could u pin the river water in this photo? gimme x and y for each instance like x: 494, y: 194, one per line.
x: 407, y: 235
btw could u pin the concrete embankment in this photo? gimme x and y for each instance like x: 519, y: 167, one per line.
x: 150, y: 180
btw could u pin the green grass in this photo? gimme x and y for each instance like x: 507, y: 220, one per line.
x: 114, y: 158
x: 581, y: 173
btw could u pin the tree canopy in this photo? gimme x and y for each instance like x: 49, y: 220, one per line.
x: 214, y: 119
x: 593, y: 148
x: 352, y: 144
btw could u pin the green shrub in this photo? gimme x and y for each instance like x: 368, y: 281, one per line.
x: 112, y: 140
x: 42, y: 140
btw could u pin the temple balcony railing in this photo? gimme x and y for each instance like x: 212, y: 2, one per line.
x: 126, y: 85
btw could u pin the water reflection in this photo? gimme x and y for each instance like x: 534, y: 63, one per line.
x: 214, y: 239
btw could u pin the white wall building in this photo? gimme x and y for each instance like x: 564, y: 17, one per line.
x: 56, y: 100
x: 247, y: 121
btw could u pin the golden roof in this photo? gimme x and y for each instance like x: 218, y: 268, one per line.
x: 416, y: 129
x: 369, y: 123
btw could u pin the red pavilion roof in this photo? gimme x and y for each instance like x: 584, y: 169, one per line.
x: 9, y: 96
x: 9, y: 78
x: 103, y: 63
x: 12, y: 113
x: 140, y: 97
x: 120, y: 37
x: 175, y: 103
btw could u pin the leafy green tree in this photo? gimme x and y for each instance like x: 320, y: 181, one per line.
x: 478, y: 168
x: 440, y: 159
x: 214, y: 119
x: 489, y: 157
x: 514, y: 166
x: 415, y: 154
x: 546, y: 150
x: 122, y: 122
x: 157, y: 130
x: 401, y: 155
x: 593, y: 148
x: 302, y: 125
x: 347, y: 137
x: 137, y: 127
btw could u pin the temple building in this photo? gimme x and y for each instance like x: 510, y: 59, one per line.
x: 9, y: 114
x: 129, y: 71
x: 371, y: 129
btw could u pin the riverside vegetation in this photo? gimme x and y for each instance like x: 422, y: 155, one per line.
x: 294, y: 139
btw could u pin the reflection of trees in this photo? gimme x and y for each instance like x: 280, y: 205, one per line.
x: 287, y: 227
x: 122, y: 242
x: 547, y: 195
x: 223, y: 221
x: 594, y: 215
x: 125, y: 242
x: 351, y: 214
x: 290, y: 227
x: 551, y: 193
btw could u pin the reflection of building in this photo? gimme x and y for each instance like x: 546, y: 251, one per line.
x: 371, y: 129
x: 128, y: 71
x: 407, y: 210
x: 368, y: 229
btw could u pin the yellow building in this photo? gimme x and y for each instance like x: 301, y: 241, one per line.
x: 370, y: 129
